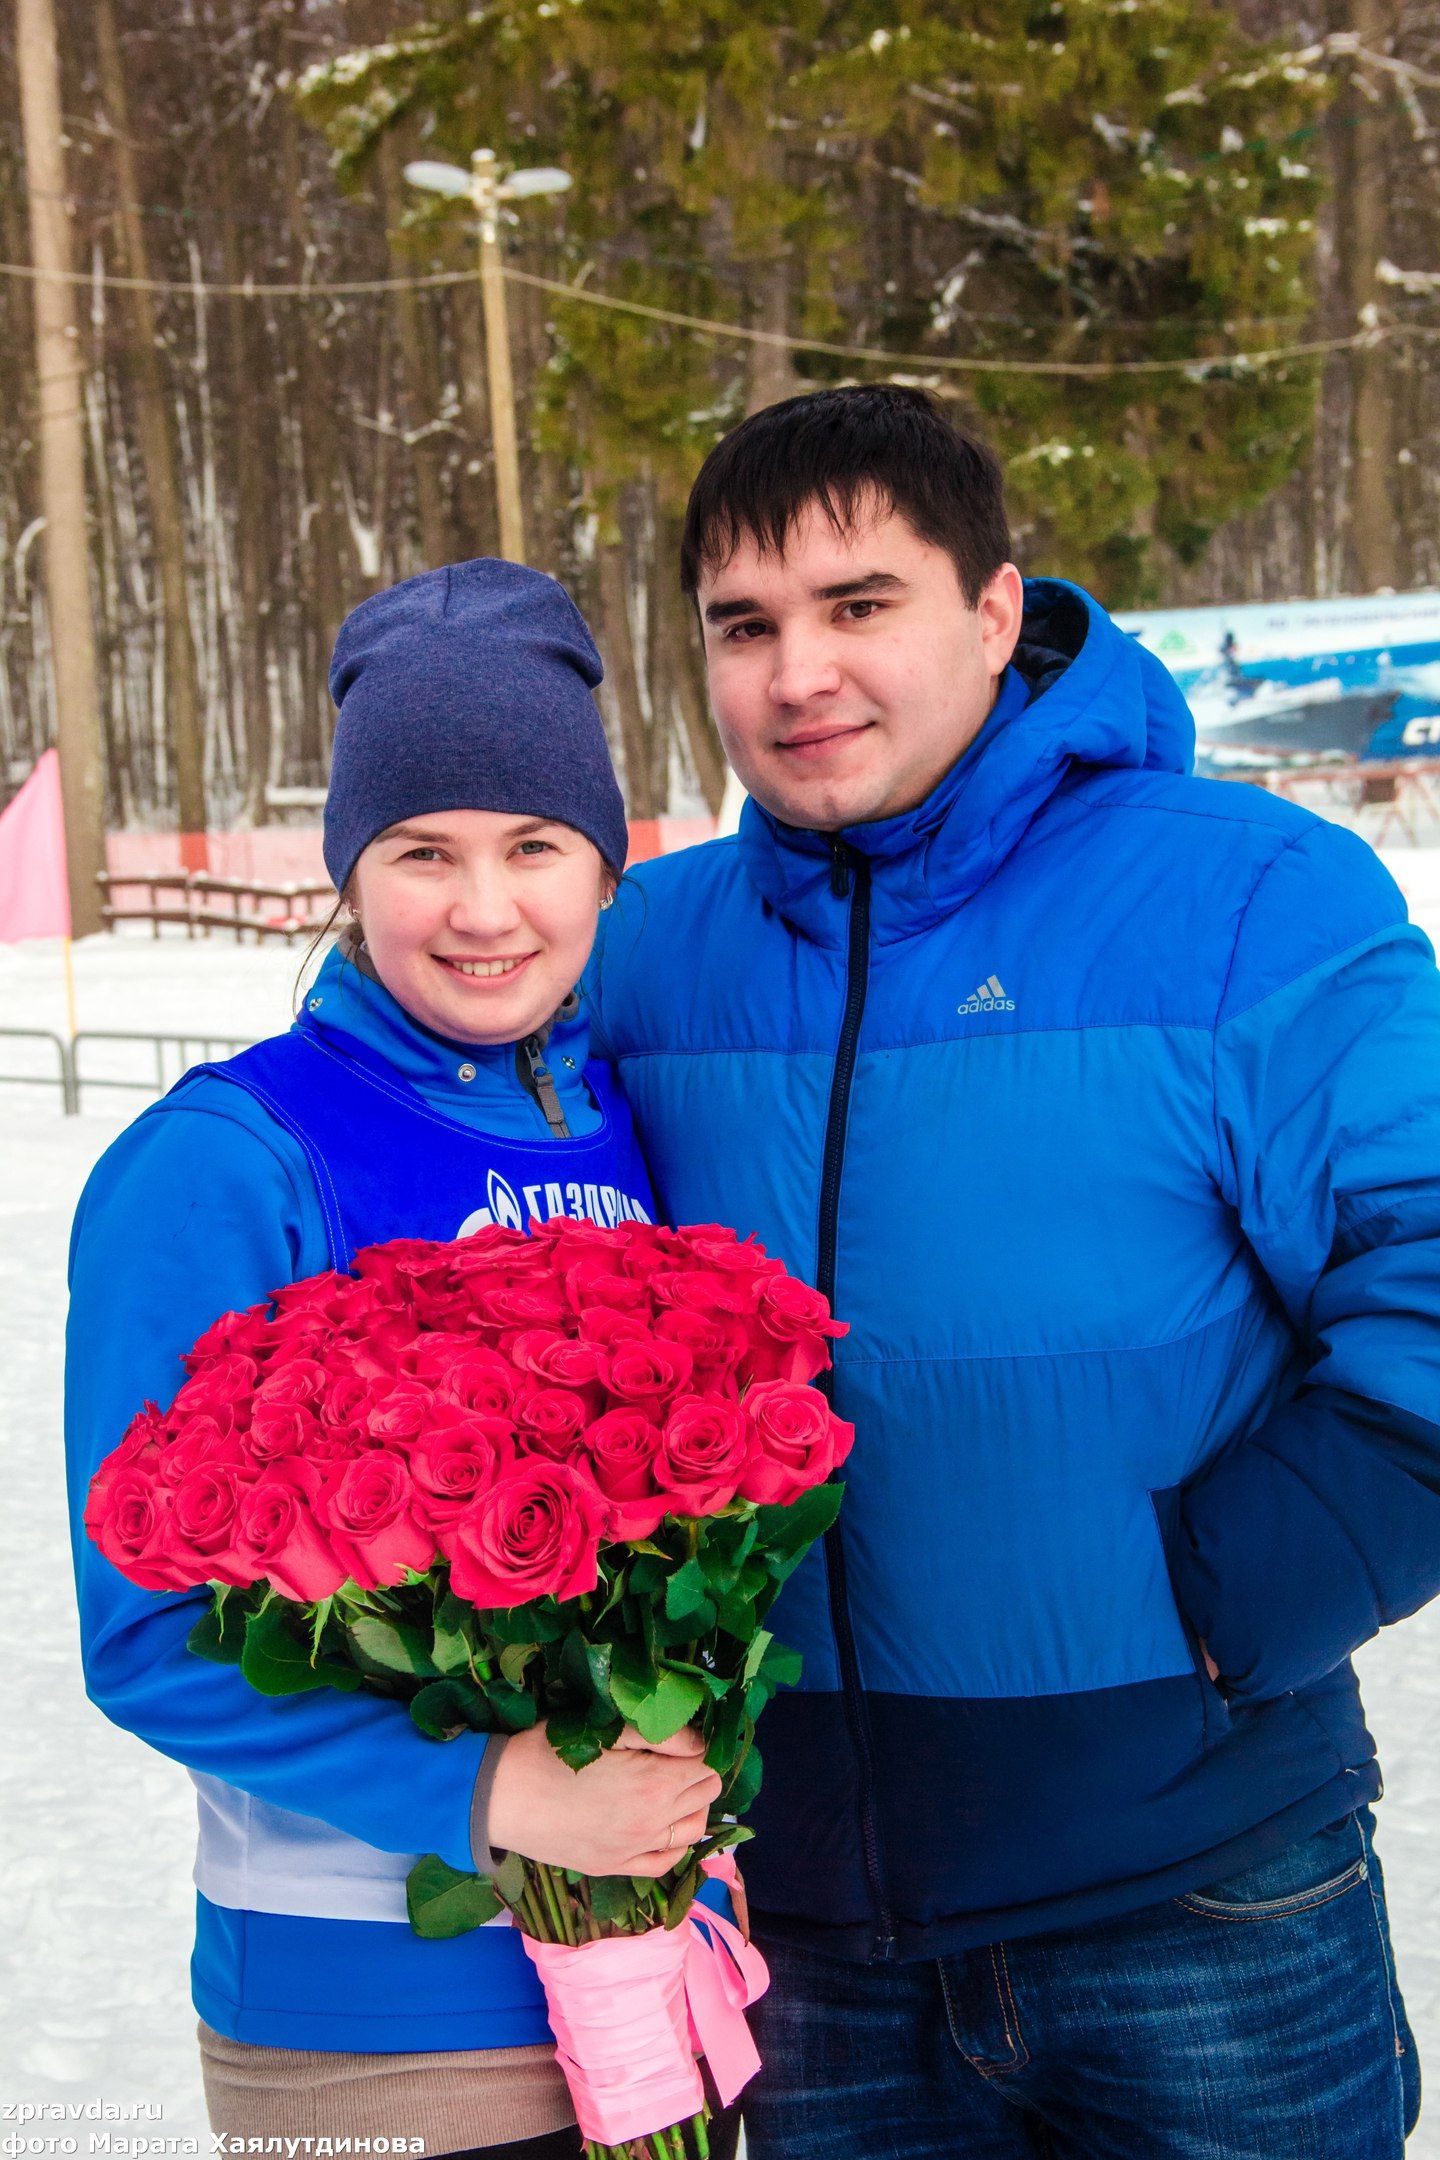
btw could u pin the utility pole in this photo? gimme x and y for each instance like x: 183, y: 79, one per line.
x: 59, y: 374
x: 486, y: 198
x: 483, y: 187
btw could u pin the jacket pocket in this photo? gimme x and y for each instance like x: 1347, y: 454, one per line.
x: 1214, y: 1710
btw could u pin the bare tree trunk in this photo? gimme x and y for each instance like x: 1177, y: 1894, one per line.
x: 619, y: 651
x: 1363, y: 238
x: 681, y: 667
x: 249, y: 469
x: 157, y: 452
x: 772, y: 373
x: 420, y: 400
x: 62, y: 464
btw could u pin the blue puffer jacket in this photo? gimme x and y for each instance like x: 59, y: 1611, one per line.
x: 1106, y: 1102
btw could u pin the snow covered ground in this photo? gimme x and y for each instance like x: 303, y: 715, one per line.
x: 95, y: 1899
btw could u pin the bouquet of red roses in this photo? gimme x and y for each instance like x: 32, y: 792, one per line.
x: 507, y: 1478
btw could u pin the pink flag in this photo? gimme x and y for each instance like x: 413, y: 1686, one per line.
x: 34, y: 894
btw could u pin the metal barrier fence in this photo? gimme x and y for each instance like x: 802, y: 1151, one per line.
x: 163, y: 1059
x: 62, y: 1077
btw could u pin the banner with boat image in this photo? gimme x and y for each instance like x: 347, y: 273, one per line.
x: 1304, y: 682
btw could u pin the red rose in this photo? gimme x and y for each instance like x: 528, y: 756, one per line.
x: 549, y: 1420
x: 220, y: 1382
x: 647, y: 1370
x: 294, y: 1380
x: 620, y: 1449
x: 367, y: 1507
x: 282, y: 1429
x: 716, y: 1341
x: 715, y: 1245
x: 346, y: 1405
x: 200, y: 1439
x: 537, y: 1304
x: 596, y: 1280
x: 555, y: 1357
x: 247, y: 1334
x: 401, y: 1413
x: 607, y: 1324
x: 706, y: 1290
x: 400, y: 1265
x: 797, y: 1442
x: 535, y: 1534
x: 147, y: 1432
x: 492, y: 1249
x: 284, y: 1415
x: 277, y: 1536
x: 199, y: 1530
x: 125, y: 1516
x: 430, y: 1356
x: 703, y: 1451
x: 478, y: 1380
x: 791, y: 1332
x: 459, y: 1456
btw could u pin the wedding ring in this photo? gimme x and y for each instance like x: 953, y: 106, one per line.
x: 670, y: 1838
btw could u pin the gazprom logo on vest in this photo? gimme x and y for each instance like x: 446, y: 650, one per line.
x: 603, y: 1204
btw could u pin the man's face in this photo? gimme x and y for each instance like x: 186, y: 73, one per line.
x: 848, y: 674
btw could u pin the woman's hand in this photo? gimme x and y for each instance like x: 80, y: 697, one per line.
x: 633, y: 1812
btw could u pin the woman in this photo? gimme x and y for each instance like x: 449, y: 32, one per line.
x: 435, y: 1080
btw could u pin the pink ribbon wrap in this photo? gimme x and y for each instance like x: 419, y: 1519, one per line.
x: 631, y: 2014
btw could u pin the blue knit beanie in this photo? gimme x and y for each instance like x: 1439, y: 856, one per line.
x: 468, y: 688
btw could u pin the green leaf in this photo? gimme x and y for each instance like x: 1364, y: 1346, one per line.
x: 276, y: 1658
x: 540, y: 1622
x: 787, y: 1533
x: 754, y: 1656
x: 576, y: 1740
x: 585, y: 1669
x: 392, y: 1646
x: 746, y: 1783
x: 513, y: 1660
x: 612, y: 1900
x: 211, y: 1638
x: 658, y: 1711
x: 446, y: 1705
x: 728, y: 1730
x: 443, y: 1902
x: 686, y: 1591
x: 510, y: 1878
x: 783, y: 1665
x: 516, y: 1710
x: 735, y: 1616
x: 682, y: 1897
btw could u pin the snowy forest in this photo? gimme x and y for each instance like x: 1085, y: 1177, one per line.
x: 1177, y: 261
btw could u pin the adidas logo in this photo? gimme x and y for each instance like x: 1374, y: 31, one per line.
x: 990, y: 997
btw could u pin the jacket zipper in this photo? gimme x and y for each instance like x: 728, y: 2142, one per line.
x: 849, y: 875
x: 539, y: 1082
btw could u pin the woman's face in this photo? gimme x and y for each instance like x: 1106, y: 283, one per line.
x: 478, y: 922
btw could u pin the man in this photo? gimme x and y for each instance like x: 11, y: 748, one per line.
x: 1105, y: 1104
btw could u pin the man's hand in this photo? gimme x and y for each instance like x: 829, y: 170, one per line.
x: 631, y: 1813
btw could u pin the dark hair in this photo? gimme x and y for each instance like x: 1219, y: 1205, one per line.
x: 835, y: 447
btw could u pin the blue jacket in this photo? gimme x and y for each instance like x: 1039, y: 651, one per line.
x: 311, y: 1806
x: 1107, y: 1103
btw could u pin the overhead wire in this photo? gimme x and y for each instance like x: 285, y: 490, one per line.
x: 1197, y: 365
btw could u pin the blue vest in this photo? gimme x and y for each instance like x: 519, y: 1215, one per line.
x: 387, y: 1164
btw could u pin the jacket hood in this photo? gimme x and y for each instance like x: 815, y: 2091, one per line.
x: 1079, y: 692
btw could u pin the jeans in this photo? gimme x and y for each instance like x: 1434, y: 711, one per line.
x: 1256, y: 2019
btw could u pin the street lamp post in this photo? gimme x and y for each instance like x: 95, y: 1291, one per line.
x: 487, y: 191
